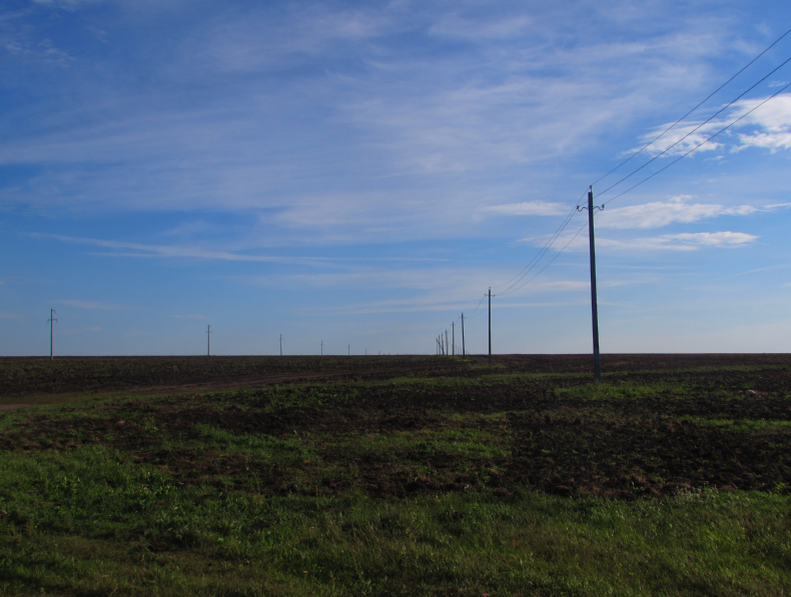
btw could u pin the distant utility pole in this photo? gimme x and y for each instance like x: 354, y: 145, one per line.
x: 447, y: 349
x: 594, y: 300
x: 490, y: 325
x: 322, y: 348
x: 349, y: 350
x: 281, y: 345
x: 51, y: 321
x: 453, y: 338
x: 463, y: 345
x: 208, y: 337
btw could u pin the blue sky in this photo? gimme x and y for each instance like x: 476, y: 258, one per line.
x: 361, y: 172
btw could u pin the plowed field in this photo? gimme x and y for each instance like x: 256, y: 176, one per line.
x: 399, y: 426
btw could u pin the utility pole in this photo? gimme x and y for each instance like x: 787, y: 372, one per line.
x: 322, y: 348
x: 281, y: 345
x: 51, y: 321
x: 447, y: 350
x: 463, y: 345
x: 453, y: 338
x: 208, y: 337
x: 349, y: 350
x: 490, y: 326
x: 594, y: 300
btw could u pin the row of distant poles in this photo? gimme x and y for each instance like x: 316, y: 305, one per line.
x: 51, y: 321
x: 445, y: 348
x: 442, y: 339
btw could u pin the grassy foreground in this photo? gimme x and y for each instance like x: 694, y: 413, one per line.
x: 341, y: 489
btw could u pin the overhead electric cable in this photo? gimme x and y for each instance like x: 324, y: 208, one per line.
x: 700, y: 144
x: 672, y: 126
x: 526, y: 270
x: 473, y: 312
x: 516, y: 283
x: 659, y: 155
x: 576, y: 234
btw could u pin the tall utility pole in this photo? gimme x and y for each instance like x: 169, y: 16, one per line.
x: 490, y: 325
x: 463, y: 346
x: 322, y: 348
x: 208, y: 336
x: 453, y: 338
x: 281, y: 345
x: 51, y: 321
x: 594, y: 300
x: 349, y: 350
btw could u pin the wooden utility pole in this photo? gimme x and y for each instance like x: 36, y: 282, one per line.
x: 490, y: 325
x: 463, y: 345
x: 281, y: 345
x: 208, y: 337
x: 447, y: 350
x: 453, y: 338
x: 322, y: 348
x: 594, y: 299
x: 51, y: 321
x: 349, y: 350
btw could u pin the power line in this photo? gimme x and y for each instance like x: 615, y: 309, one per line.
x: 576, y: 234
x: 700, y: 144
x: 695, y: 129
x: 528, y: 268
x: 518, y: 281
x: 672, y: 126
x: 478, y: 306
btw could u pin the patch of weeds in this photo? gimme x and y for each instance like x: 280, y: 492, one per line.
x: 259, y: 447
x: 609, y: 391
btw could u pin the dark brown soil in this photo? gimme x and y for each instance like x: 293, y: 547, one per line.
x: 674, y: 438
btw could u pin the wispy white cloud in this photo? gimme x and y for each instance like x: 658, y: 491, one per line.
x: 690, y: 241
x: 662, y: 213
x: 81, y: 330
x: 529, y: 208
x: 174, y: 251
x: 770, y: 123
x: 494, y: 27
x: 142, y: 250
x: 93, y: 305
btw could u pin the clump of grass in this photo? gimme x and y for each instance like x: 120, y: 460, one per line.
x: 92, y: 521
x: 614, y: 391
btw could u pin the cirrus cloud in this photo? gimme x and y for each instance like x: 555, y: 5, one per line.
x: 661, y: 213
x: 529, y: 208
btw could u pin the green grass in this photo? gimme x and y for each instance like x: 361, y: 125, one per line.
x: 91, y: 521
x: 152, y: 507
